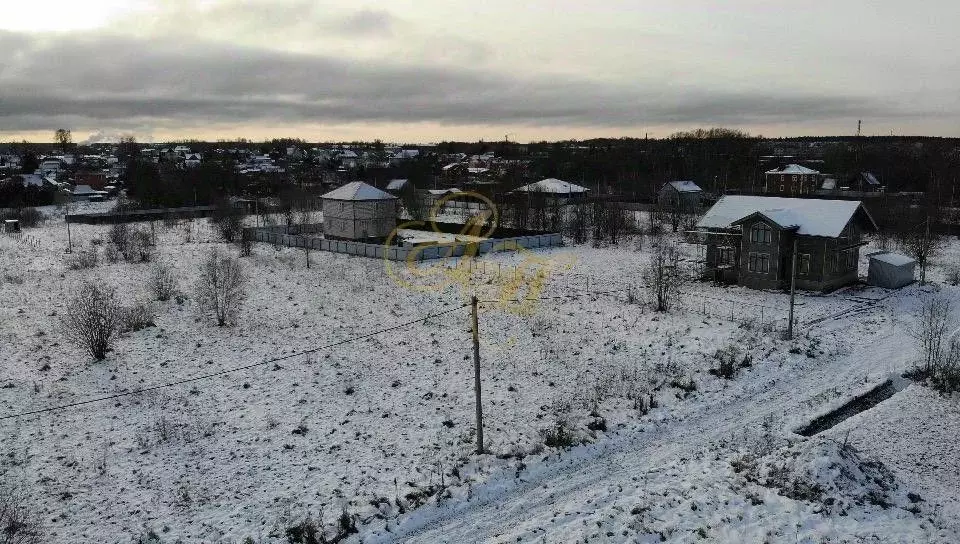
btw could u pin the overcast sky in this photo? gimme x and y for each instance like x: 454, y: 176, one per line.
x: 428, y: 70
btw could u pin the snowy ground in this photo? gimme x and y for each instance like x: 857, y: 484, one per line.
x: 384, y: 424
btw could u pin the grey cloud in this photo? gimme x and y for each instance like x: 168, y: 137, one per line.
x: 94, y: 80
x: 368, y: 21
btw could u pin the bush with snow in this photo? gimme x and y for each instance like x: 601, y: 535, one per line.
x: 220, y: 287
x: 19, y: 524
x: 93, y: 318
x: 163, y: 282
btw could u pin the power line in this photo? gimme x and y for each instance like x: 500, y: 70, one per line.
x: 230, y: 370
x: 534, y: 299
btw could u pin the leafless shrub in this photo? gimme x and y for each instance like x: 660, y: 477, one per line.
x: 18, y: 523
x: 139, y: 247
x: 119, y: 236
x: 220, y: 287
x: 111, y: 253
x: 953, y: 274
x: 82, y: 259
x: 227, y: 220
x: 929, y: 331
x: 92, y: 319
x: 163, y: 283
x: 136, y: 317
x: 946, y: 375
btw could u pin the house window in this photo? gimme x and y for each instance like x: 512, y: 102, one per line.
x: 341, y: 206
x: 759, y: 263
x: 803, y: 266
x: 724, y: 256
x: 761, y: 234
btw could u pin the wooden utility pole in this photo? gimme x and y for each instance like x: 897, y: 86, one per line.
x: 925, y: 248
x: 793, y: 288
x: 476, y: 371
x: 66, y: 219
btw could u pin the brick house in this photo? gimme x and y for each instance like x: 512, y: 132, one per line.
x: 791, y: 180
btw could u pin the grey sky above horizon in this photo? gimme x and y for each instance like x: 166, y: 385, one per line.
x: 431, y: 70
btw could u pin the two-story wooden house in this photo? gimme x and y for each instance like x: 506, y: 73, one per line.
x: 750, y: 241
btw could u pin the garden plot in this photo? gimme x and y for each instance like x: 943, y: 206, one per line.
x: 355, y: 427
x: 383, y: 425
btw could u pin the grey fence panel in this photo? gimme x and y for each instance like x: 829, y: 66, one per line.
x: 278, y: 235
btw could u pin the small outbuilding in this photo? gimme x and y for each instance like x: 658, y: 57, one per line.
x: 683, y: 196
x: 11, y: 225
x: 398, y: 185
x: 359, y: 211
x: 890, y: 270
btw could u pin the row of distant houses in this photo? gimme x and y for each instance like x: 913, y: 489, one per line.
x: 797, y: 180
x: 760, y: 242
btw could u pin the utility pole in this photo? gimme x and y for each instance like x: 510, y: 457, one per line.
x: 925, y: 249
x: 476, y: 371
x: 66, y: 219
x: 793, y: 288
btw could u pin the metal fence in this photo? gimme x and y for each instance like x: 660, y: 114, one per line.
x: 307, y: 239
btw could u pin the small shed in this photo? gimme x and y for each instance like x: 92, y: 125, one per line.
x: 11, y: 225
x: 890, y: 270
x: 682, y: 196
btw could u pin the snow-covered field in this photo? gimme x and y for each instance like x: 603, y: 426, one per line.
x: 383, y: 428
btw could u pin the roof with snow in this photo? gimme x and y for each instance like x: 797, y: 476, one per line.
x: 685, y: 186
x: 358, y: 190
x: 81, y: 190
x: 35, y: 180
x: 793, y: 169
x: 894, y: 259
x: 397, y: 184
x: 811, y: 217
x: 869, y: 178
x: 552, y: 185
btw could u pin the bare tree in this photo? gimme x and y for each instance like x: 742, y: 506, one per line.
x: 663, y: 274
x: 93, y: 318
x: 63, y: 138
x: 220, y: 287
x: 930, y: 330
x: 922, y: 243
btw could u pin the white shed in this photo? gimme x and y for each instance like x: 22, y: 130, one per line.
x: 358, y: 211
x: 890, y: 270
